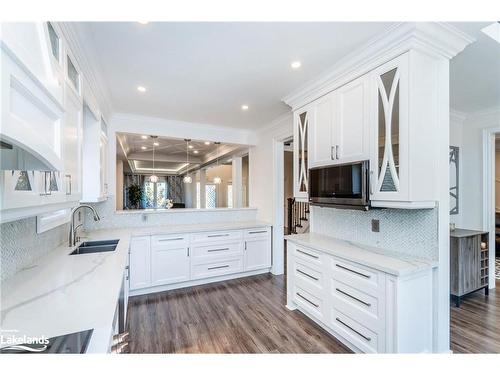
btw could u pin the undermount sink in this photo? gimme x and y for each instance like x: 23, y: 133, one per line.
x: 89, y: 247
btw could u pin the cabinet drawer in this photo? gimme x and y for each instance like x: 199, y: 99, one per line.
x: 307, y: 275
x: 170, y: 241
x: 222, y: 249
x: 364, y: 338
x: 216, y: 236
x: 363, y: 278
x: 210, y: 269
x: 308, y: 255
x: 257, y: 232
x: 310, y: 302
x: 363, y: 307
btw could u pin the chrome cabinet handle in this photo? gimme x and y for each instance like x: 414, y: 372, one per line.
x: 331, y: 152
x: 212, y: 250
x: 245, y: 245
x: 68, y: 176
x: 188, y: 251
x: 171, y: 239
x: 259, y: 231
x: 307, y: 300
x: 306, y: 274
x: 352, y: 329
x: 354, y: 298
x: 218, y: 267
x: 218, y: 235
x: 337, y: 152
x: 371, y: 182
x: 356, y: 272
x: 311, y: 255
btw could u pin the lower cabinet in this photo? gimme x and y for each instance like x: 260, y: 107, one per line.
x: 179, y: 260
x: 369, y: 310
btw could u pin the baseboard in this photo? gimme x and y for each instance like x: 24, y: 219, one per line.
x: 187, y: 284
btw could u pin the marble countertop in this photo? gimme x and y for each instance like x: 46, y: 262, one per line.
x: 61, y: 294
x: 380, y: 259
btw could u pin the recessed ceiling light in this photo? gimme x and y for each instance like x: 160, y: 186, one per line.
x: 190, y: 146
x: 207, y: 143
x: 244, y: 107
x: 141, y: 89
x: 144, y: 136
x: 195, y: 151
x: 143, y: 22
x: 296, y: 64
x: 156, y: 144
x: 493, y: 31
x: 143, y: 147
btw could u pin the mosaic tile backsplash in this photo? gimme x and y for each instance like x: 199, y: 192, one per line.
x: 408, y: 232
x: 111, y: 219
x: 20, y: 245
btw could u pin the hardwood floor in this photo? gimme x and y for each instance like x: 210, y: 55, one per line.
x: 238, y: 316
x: 475, y: 325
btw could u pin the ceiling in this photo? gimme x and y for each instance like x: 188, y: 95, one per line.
x: 204, y: 72
x: 170, y: 154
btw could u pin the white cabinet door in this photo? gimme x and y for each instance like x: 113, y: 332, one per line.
x: 389, y: 154
x: 351, y: 124
x: 140, y: 262
x: 321, y: 151
x: 302, y: 118
x: 170, y: 265
x: 257, y: 253
x: 72, y: 136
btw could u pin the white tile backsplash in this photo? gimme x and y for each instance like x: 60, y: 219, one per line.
x: 408, y: 232
x: 20, y: 245
x: 112, y: 219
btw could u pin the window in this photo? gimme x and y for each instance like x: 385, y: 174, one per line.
x: 155, y: 194
x: 230, y: 196
x: 55, y: 42
x: 73, y: 75
x: 211, y: 195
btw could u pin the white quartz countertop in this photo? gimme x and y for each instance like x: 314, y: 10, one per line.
x: 380, y: 259
x: 61, y: 294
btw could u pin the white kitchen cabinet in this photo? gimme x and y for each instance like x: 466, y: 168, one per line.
x: 339, y: 131
x: 169, y: 260
x: 302, y: 119
x: 402, y: 128
x: 369, y: 310
x: 95, y: 149
x: 257, y: 251
x: 140, y: 262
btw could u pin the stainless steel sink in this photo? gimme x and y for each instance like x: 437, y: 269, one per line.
x: 89, y: 247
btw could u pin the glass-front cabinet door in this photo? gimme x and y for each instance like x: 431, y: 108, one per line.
x: 388, y: 162
x: 302, y: 118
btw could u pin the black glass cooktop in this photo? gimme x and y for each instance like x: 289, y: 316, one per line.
x: 73, y: 343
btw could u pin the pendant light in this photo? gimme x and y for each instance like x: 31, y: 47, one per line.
x: 217, y: 179
x: 153, y: 178
x: 187, y: 179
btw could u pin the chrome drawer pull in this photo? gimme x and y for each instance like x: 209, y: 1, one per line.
x: 356, y: 272
x: 352, y: 329
x: 216, y: 268
x: 171, y: 239
x: 211, y: 250
x: 306, y: 274
x: 354, y: 298
x: 218, y: 235
x: 259, y: 231
x: 307, y: 300
x: 311, y: 255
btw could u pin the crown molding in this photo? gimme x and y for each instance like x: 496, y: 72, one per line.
x: 440, y: 40
x: 100, y: 91
x: 276, y: 123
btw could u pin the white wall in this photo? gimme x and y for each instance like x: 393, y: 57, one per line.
x: 470, y: 134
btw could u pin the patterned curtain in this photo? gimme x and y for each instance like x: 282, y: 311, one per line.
x: 175, y: 187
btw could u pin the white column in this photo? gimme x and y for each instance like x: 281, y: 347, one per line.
x: 202, y: 177
x: 237, y: 181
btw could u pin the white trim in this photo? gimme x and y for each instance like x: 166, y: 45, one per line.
x: 431, y: 37
x: 489, y: 196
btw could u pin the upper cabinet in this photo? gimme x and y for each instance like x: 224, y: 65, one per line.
x: 302, y: 119
x: 374, y: 117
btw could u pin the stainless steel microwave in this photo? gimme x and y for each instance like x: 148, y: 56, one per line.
x: 342, y: 186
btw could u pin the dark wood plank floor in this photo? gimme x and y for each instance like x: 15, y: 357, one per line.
x: 475, y: 325
x: 237, y: 316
